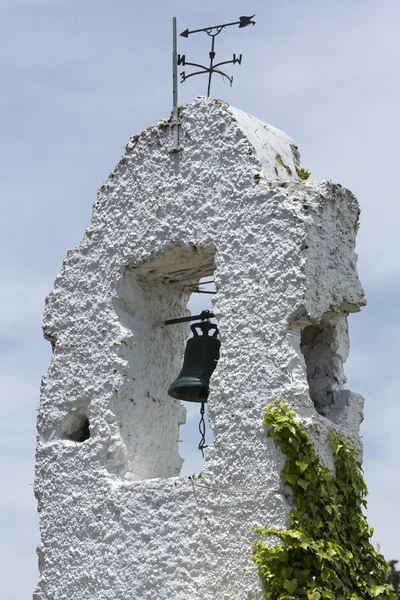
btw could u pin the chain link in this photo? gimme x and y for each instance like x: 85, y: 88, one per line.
x: 202, y: 430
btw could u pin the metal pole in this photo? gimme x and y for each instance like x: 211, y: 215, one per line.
x: 212, y: 55
x: 175, y: 116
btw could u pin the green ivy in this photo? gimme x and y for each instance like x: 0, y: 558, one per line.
x: 326, y: 551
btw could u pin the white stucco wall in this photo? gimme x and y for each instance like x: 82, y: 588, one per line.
x: 117, y: 521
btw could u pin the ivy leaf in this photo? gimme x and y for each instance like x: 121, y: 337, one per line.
x: 313, y: 595
x: 303, y: 482
x: 302, y: 465
x: 286, y: 572
x: 292, y: 479
x: 294, y: 442
x: 328, y: 575
x: 377, y: 590
x: 328, y: 595
x: 290, y: 585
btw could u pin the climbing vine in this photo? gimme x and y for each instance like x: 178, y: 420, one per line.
x: 326, y: 551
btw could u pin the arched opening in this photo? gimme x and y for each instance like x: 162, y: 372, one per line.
x: 149, y: 356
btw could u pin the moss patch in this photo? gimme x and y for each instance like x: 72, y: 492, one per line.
x: 304, y: 174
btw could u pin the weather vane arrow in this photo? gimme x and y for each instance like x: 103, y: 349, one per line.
x: 212, y: 31
x: 243, y: 22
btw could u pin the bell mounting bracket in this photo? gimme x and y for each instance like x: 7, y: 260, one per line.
x: 205, y: 314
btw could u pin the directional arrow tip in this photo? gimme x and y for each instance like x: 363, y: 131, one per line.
x: 245, y: 21
x: 185, y: 33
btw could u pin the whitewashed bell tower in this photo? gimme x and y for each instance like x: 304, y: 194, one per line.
x: 117, y: 520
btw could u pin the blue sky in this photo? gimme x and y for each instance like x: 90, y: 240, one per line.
x: 80, y: 77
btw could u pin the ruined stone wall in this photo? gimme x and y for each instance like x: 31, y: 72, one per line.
x: 117, y: 521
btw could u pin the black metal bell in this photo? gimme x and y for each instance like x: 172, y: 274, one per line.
x: 200, y: 359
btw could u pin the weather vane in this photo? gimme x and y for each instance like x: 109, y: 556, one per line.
x: 178, y: 59
x: 213, y: 68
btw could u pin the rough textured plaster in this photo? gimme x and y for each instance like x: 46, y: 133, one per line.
x: 117, y: 522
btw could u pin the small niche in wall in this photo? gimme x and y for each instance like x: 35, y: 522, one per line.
x: 325, y: 349
x: 75, y: 426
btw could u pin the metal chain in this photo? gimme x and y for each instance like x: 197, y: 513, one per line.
x: 202, y: 430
